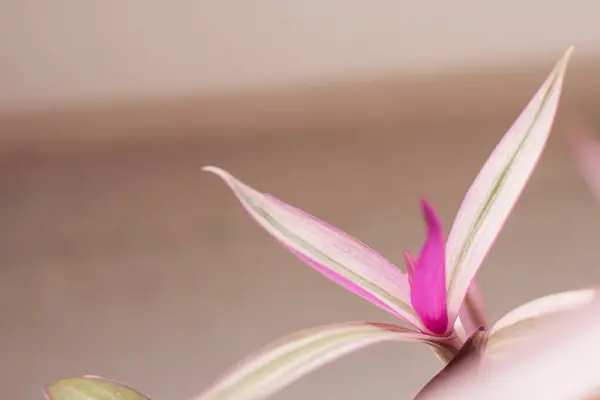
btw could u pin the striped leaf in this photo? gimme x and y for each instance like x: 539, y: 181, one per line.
x: 498, y: 186
x: 279, y: 364
x: 336, y: 255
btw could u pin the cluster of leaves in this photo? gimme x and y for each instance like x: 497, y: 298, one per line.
x: 437, y: 297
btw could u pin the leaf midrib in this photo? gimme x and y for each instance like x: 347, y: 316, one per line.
x: 498, y: 184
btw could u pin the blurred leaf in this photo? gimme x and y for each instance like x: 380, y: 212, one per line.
x: 519, y: 322
x: 587, y: 156
x: 91, y: 388
x: 558, y: 360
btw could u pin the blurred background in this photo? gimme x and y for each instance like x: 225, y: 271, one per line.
x: 119, y: 257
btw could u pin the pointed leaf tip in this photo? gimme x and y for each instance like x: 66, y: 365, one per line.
x: 335, y: 254
x: 216, y: 170
x: 569, y: 52
x: 496, y: 189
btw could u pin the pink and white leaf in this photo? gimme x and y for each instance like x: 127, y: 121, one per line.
x: 518, y: 323
x: 283, y: 362
x: 559, y: 360
x: 338, y: 256
x: 498, y: 186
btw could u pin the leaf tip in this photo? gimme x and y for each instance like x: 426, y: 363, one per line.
x: 569, y: 51
x: 564, y: 61
x: 215, y: 170
x: 221, y: 173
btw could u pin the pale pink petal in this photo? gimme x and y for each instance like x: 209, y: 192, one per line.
x: 339, y: 256
x: 289, y: 359
x: 498, y: 186
x: 428, y: 281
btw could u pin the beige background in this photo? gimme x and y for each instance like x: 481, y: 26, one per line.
x: 67, y: 51
x: 133, y: 264
x: 119, y: 257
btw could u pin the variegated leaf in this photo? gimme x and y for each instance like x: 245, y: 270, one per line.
x: 330, y: 251
x: 559, y: 360
x: 498, y: 186
x: 519, y: 322
x: 279, y: 364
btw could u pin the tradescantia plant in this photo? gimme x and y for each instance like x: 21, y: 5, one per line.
x: 433, y: 296
x: 437, y: 296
